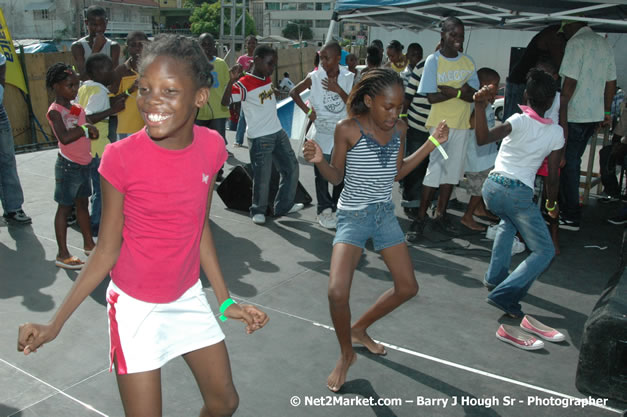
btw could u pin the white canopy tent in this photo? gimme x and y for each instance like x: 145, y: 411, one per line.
x: 532, y: 15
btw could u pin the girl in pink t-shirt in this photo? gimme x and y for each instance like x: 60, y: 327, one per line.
x: 72, y: 186
x: 157, y: 308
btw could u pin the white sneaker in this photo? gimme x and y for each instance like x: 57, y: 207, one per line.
x: 518, y: 246
x: 296, y: 207
x: 326, y: 219
x: 259, y: 219
x: 490, y: 233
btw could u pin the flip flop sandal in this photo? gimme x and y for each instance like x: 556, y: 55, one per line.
x: 72, y: 263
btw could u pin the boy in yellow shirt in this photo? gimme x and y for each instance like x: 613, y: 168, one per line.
x: 93, y: 96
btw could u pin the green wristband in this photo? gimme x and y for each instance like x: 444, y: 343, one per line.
x: 85, y: 130
x: 459, y: 93
x: 438, y: 147
x: 608, y: 113
x: 126, y: 92
x: 226, y: 304
x: 402, y: 115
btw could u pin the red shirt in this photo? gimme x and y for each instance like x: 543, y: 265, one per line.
x: 165, y: 199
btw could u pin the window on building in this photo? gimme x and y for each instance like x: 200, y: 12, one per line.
x: 323, y: 6
x: 305, y: 6
x: 289, y: 6
x: 42, y: 15
x: 273, y: 6
x: 275, y: 23
x: 320, y: 24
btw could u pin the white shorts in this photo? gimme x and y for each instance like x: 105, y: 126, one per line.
x: 448, y: 171
x: 144, y: 336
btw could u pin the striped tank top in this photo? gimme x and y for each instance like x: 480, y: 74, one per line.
x: 369, y: 172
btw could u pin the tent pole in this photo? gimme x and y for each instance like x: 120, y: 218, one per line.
x: 334, y: 21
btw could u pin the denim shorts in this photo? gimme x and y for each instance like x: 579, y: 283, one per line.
x: 72, y: 181
x: 377, y: 222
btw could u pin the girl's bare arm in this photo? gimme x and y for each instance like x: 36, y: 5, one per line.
x: 31, y: 335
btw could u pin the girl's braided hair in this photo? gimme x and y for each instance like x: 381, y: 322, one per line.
x: 57, y: 73
x: 371, y: 84
x: 184, y: 49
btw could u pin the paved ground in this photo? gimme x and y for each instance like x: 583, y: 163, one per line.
x: 441, y: 344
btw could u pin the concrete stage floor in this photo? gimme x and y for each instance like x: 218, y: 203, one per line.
x: 441, y: 345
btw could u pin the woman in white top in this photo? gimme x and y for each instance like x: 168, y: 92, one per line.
x: 527, y: 139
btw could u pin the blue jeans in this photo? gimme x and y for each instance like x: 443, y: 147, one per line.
x: 326, y: 200
x: 11, y: 194
x: 263, y: 151
x: 241, y: 129
x: 96, y: 196
x: 578, y: 136
x: 515, y: 206
x: 513, y: 97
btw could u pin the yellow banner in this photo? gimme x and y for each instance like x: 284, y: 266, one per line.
x: 14, y: 73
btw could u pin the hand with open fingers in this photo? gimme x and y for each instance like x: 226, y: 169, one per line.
x: 236, y: 72
x: 93, y: 131
x: 254, y: 318
x: 331, y: 84
x: 441, y: 132
x: 312, y: 151
x: 483, y: 95
x: 32, y: 336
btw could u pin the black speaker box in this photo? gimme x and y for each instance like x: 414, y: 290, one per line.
x: 236, y: 190
x: 602, y: 367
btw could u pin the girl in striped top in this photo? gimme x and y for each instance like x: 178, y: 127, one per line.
x: 366, y: 156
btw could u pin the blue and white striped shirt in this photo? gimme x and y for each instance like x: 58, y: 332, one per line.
x: 369, y: 172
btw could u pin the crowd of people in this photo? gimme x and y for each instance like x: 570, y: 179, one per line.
x: 146, y: 139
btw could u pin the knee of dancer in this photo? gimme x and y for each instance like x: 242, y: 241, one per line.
x: 225, y: 406
x: 408, y: 292
x: 338, y: 296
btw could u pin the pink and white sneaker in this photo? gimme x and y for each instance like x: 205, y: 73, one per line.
x: 516, y: 337
x: 531, y: 325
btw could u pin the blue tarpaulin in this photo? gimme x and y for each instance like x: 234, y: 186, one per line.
x: 40, y: 47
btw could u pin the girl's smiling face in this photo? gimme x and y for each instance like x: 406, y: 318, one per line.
x: 168, y: 99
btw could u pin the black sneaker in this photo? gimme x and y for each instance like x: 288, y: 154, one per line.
x: 444, y: 224
x: 568, y: 225
x: 416, y: 230
x: 608, y: 199
x: 17, y: 217
x: 618, y: 219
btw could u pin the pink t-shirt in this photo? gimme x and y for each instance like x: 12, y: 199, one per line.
x: 165, y: 200
x: 245, y: 61
x: 78, y: 151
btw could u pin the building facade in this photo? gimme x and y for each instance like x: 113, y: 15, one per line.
x: 271, y: 17
x: 64, y: 19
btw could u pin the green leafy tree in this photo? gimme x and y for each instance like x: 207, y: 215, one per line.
x: 291, y: 31
x: 206, y: 18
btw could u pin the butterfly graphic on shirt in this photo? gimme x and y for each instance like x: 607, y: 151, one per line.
x: 205, y: 178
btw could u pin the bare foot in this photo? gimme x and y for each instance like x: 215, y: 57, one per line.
x: 338, y: 376
x: 472, y: 224
x: 480, y: 212
x: 360, y: 337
